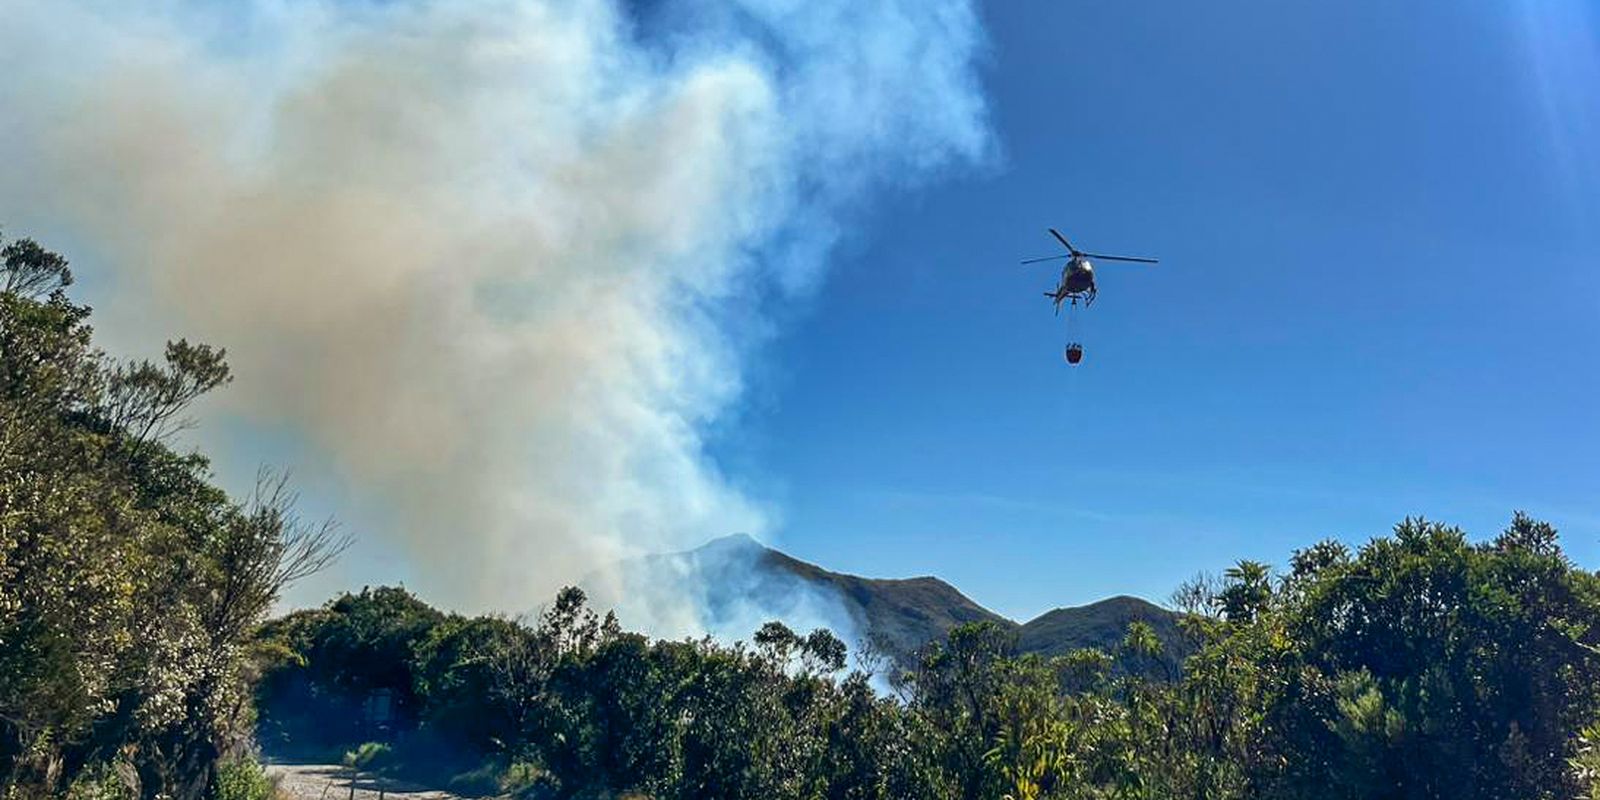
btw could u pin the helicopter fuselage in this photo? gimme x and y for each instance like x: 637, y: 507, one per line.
x: 1077, y: 277
x: 1077, y: 283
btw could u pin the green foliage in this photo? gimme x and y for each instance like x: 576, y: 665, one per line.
x: 480, y: 781
x: 99, y: 782
x: 1585, y: 763
x: 328, y: 661
x: 242, y: 779
x: 521, y: 779
x: 129, y: 585
x: 1421, y: 665
x: 370, y: 757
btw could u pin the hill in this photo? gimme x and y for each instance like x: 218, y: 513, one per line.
x: 1100, y: 624
x: 899, y: 615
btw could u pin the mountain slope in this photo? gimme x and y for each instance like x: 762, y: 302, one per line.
x: 898, y: 614
x: 1101, y: 624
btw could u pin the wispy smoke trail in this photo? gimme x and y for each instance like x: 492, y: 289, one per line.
x: 494, y: 261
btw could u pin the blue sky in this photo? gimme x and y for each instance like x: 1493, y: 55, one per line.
x: 1378, y: 296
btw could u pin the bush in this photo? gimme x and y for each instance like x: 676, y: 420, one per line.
x: 482, y: 781
x: 524, y: 780
x: 243, y: 779
x: 99, y: 782
x: 371, y: 757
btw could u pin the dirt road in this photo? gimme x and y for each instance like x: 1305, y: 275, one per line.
x: 328, y: 782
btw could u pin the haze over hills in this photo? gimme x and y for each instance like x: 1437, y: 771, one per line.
x: 732, y: 575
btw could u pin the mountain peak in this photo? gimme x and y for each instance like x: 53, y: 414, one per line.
x: 1102, y: 623
x: 731, y: 542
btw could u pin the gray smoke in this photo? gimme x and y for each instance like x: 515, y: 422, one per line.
x: 498, y: 263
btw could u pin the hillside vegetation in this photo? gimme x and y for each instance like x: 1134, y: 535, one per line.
x: 1420, y: 665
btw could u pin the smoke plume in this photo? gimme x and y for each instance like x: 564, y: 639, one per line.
x: 499, y: 263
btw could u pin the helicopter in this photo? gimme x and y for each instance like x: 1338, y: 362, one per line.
x: 1077, y: 282
x: 1077, y: 277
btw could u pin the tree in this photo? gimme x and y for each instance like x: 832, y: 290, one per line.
x: 129, y: 585
x: 1419, y: 665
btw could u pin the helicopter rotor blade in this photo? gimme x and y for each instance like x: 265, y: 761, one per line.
x: 1063, y: 240
x: 1122, y: 258
x: 1046, y: 258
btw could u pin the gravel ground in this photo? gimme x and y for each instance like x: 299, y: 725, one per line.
x: 329, y: 782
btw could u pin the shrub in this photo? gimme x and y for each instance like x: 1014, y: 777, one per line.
x: 243, y: 779
x: 371, y: 757
x: 99, y: 782
x: 481, y: 781
x: 525, y: 780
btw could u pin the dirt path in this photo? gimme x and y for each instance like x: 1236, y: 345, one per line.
x: 328, y: 782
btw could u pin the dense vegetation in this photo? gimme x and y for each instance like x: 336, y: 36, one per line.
x: 134, y: 660
x: 129, y: 585
x: 1420, y: 666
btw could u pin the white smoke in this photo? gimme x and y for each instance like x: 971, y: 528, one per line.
x: 727, y: 588
x: 499, y: 263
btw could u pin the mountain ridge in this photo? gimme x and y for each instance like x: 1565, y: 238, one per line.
x: 898, y: 615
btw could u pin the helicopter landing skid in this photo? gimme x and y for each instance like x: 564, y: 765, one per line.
x: 1086, y: 297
